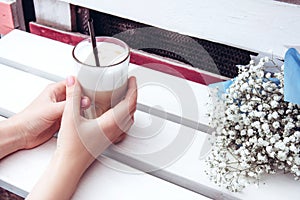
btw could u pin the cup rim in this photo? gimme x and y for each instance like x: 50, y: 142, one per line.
x: 127, y: 49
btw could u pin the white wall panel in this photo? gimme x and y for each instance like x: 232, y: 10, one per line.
x: 258, y: 25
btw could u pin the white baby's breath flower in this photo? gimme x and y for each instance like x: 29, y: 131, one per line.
x: 297, y: 160
x: 250, y: 132
x: 256, y: 124
x: 269, y: 149
x: 276, y: 124
x: 268, y: 75
x: 260, y: 74
x: 293, y: 148
x: 277, y: 98
x: 244, y: 108
x: 256, y: 131
x: 281, y: 155
x: 275, y: 115
x: 280, y: 145
x: 290, y: 125
x: 265, y: 127
x: 297, y: 134
x: 274, y: 104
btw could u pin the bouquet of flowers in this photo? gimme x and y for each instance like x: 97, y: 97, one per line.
x: 256, y: 131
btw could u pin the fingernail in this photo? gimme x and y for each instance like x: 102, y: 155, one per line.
x: 70, y: 81
x: 84, y: 102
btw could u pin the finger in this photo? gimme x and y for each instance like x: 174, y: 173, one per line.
x: 59, y: 91
x: 85, y: 102
x: 119, y: 119
x: 120, y: 138
x: 124, y: 125
x: 46, y: 134
x: 132, y: 88
x: 128, y: 105
x: 73, y: 96
x: 54, y: 128
x: 131, y: 95
x: 58, y: 108
x: 128, y: 126
x: 108, y: 125
x: 111, y: 125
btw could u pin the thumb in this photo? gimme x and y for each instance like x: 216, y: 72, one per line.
x: 73, y: 96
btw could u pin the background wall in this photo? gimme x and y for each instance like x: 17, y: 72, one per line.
x: 255, y: 25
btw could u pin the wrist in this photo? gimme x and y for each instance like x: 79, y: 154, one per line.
x: 16, y: 127
x: 11, y: 138
x: 78, y: 161
x: 63, y: 170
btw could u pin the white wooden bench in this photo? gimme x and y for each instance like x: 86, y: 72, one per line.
x: 30, y: 62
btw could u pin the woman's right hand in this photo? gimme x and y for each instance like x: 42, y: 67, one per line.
x: 81, y: 140
x: 85, y: 139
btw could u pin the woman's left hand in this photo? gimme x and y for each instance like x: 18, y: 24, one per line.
x: 41, y: 119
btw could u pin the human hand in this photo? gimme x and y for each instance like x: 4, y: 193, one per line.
x: 82, y: 140
x: 38, y: 122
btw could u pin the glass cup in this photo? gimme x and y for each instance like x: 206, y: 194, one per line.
x: 105, y: 82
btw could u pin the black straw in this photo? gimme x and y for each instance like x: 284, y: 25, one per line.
x: 93, y: 39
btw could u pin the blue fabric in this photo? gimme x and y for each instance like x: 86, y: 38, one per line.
x: 292, y: 76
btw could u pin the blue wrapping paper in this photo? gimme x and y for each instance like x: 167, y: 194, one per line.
x: 222, y: 86
x: 292, y: 76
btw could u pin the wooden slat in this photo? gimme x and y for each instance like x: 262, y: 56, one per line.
x: 21, y: 87
x: 53, y: 62
x: 20, y: 171
x: 185, y: 100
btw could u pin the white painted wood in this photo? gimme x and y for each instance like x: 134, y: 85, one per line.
x: 19, y: 85
x: 53, y: 13
x: 21, y: 171
x: 257, y: 25
x: 50, y: 57
x: 187, y: 170
x: 171, y: 94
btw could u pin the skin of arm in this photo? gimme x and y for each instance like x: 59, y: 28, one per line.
x: 10, y: 139
x: 81, y: 140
